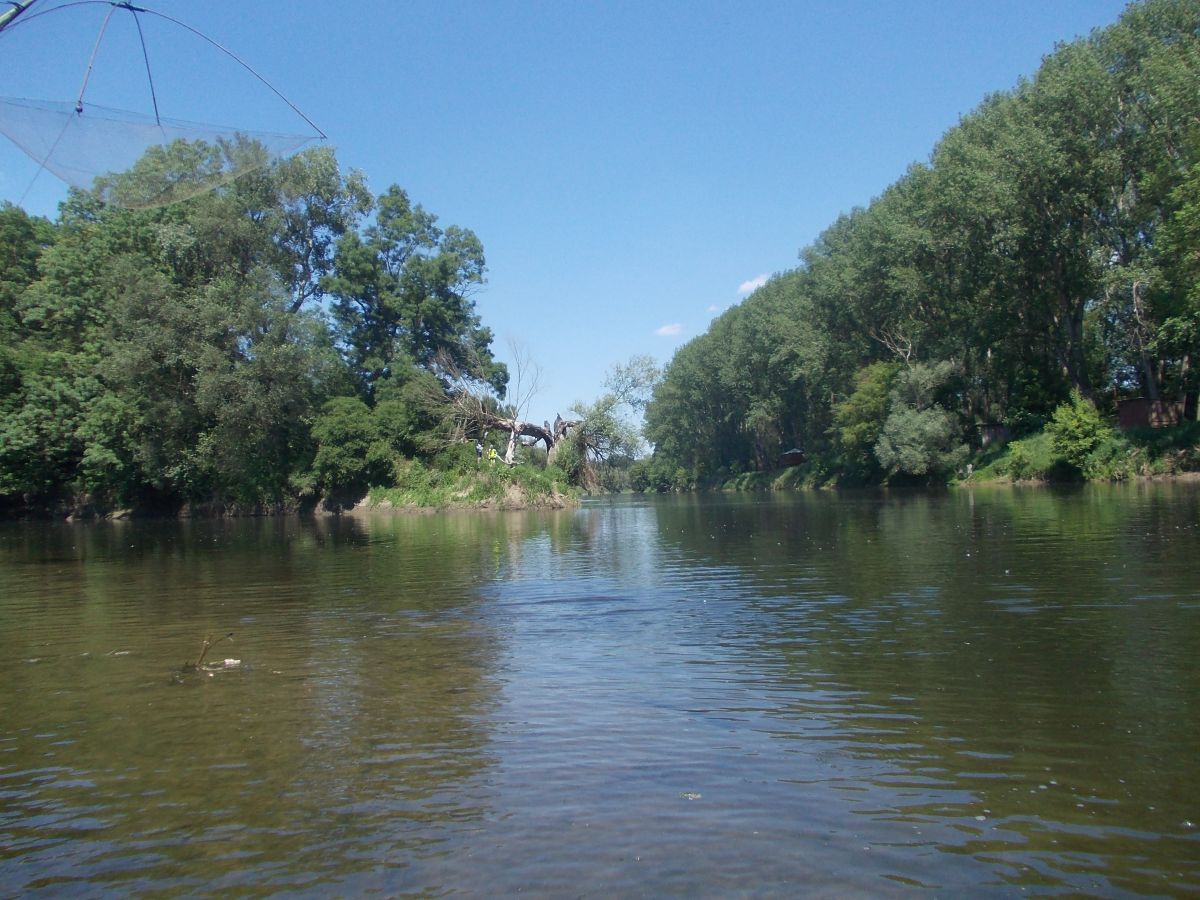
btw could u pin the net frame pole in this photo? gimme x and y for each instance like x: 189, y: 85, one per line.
x: 16, y: 8
x: 92, y: 59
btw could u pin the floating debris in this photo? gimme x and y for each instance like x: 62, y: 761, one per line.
x: 200, y: 666
x: 208, y: 644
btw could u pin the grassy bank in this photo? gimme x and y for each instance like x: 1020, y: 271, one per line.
x: 1097, y: 454
x: 482, y: 486
x: 1113, y: 456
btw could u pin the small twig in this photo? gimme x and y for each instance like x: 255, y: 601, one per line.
x: 208, y: 644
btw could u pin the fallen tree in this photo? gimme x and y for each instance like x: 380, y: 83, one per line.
x: 476, y: 414
x: 473, y: 409
x: 599, y: 432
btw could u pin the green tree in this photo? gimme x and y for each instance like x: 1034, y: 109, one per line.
x: 1179, y: 335
x: 601, y: 437
x: 402, y: 294
x: 1077, y: 430
x: 920, y: 437
x: 633, y: 381
x: 858, y: 420
x: 163, y: 357
x: 1046, y: 246
x: 352, y: 452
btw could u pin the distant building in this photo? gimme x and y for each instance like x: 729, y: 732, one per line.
x: 1138, y: 412
x: 793, y: 457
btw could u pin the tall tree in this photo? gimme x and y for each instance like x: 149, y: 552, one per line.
x: 403, y: 295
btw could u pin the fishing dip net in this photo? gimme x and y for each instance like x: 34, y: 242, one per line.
x: 130, y: 154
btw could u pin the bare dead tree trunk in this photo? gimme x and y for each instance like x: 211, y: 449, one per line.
x: 472, y: 416
x: 473, y: 411
x: 511, y: 451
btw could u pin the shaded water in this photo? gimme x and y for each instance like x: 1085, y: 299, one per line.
x: 813, y: 694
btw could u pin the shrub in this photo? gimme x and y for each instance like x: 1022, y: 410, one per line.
x: 1029, y: 458
x: 655, y: 476
x: 1167, y: 451
x: 1113, y: 459
x: 920, y: 442
x: 858, y: 420
x: 920, y: 436
x: 351, y: 455
x: 459, y: 457
x: 1076, y: 430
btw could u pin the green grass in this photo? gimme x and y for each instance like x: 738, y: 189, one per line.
x: 485, y: 485
x: 748, y: 481
x: 1168, y: 451
x: 1029, y: 459
x: 1119, y: 455
x: 792, y: 478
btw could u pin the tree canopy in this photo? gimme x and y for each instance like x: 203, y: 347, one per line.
x: 236, y: 348
x: 288, y: 334
x: 1047, y: 248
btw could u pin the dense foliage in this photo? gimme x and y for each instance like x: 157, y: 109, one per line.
x: 1049, y: 249
x: 276, y: 339
x: 289, y: 336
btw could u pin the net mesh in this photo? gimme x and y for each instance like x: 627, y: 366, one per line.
x: 133, y: 160
x: 137, y: 159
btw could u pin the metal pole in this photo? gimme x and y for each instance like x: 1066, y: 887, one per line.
x: 16, y: 8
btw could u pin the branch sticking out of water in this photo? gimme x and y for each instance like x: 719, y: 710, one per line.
x: 208, y: 644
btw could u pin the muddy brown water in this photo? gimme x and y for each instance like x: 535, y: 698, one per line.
x: 976, y: 692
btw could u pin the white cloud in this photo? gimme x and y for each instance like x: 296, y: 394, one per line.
x: 714, y: 308
x: 668, y: 330
x: 749, y: 287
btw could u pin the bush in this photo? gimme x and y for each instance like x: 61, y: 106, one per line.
x: 459, y: 457
x: 1076, y: 430
x: 655, y: 476
x: 1027, y: 459
x: 920, y: 436
x: 613, y: 479
x: 1113, y: 459
x: 858, y: 420
x: 1085, y: 442
x: 920, y: 442
x: 351, y: 454
x: 1167, y: 451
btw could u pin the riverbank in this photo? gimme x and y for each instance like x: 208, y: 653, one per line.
x: 1139, y: 453
x: 487, y: 485
x: 420, y: 488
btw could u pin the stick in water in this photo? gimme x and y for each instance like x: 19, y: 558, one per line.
x: 208, y: 644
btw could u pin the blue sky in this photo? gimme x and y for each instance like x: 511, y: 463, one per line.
x: 632, y: 168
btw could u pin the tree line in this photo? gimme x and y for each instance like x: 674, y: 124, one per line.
x: 284, y: 338
x: 1048, y: 252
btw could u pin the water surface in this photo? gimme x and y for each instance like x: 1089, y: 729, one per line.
x: 980, y: 691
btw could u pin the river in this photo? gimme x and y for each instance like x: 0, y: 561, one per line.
x: 984, y: 691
